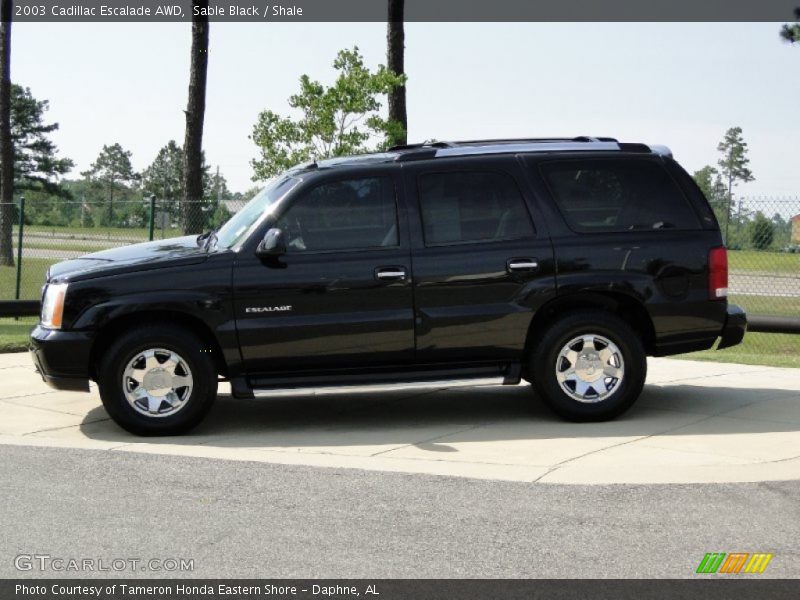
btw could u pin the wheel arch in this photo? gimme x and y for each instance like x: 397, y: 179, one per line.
x: 630, y: 309
x: 122, y: 323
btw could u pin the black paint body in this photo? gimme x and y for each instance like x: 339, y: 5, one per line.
x: 459, y: 307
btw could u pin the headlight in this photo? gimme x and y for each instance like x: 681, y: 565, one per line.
x: 53, y: 305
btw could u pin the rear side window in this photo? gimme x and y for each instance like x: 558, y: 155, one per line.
x: 618, y: 195
x: 472, y: 206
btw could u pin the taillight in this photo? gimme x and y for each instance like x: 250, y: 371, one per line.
x: 718, y: 273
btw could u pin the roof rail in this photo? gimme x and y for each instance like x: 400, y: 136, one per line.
x: 582, y: 138
x: 421, y: 146
x: 427, y: 150
x: 523, y: 146
x: 586, y: 138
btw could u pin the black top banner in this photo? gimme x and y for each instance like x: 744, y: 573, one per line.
x: 266, y: 11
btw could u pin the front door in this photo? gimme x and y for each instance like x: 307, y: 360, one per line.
x: 341, y: 296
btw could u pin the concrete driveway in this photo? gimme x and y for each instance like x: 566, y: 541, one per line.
x: 695, y: 422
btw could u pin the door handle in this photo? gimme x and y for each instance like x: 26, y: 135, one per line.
x: 390, y: 273
x: 522, y: 264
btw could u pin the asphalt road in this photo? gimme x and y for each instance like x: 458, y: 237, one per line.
x: 240, y: 519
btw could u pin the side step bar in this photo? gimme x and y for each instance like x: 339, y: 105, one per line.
x: 385, y: 380
x: 278, y: 392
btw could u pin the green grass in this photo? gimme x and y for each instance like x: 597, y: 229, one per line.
x: 74, y: 245
x: 768, y: 305
x: 14, y: 334
x: 84, y: 231
x: 772, y: 349
x: 96, y: 232
x: 31, y: 282
x: 767, y: 262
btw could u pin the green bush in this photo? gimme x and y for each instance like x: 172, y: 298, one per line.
x: 762, y: 232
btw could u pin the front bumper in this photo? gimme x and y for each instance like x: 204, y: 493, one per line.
x: 735, y: 327
x: 62, y: 357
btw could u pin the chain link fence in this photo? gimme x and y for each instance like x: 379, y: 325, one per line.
x: 763, y: 240
x: 42, y: 236
x: 762, y: 234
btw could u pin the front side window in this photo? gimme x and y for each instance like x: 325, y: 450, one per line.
x: 471, y: 207
x: 350, y: 214
x: 240, y: 225
x: 618, y: 195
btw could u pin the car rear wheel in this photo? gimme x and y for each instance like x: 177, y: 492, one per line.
x: 589, y: 366
x: 157, y: 380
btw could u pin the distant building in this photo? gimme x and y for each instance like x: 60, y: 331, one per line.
x: 796, y: 229
x: 233, y: 206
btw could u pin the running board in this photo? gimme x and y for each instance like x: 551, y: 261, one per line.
x: 277, y: 392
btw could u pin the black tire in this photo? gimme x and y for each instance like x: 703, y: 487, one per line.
x: 544, y: 361
x: 187, y: 346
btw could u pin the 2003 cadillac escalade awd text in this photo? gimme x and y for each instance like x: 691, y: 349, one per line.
x: 564, y: 262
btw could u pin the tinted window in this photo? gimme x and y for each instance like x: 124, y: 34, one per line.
x: 472, y: 206
x: 615, y: 195
x: 350, y: 214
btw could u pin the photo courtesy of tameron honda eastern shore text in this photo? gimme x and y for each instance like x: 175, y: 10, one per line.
x: 563, y: 262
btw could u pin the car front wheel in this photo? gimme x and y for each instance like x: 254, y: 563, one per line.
x: 157, y: 380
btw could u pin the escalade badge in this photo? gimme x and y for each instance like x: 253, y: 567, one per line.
x: 267, y: 309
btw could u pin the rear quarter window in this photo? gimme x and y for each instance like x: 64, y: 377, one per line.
x: 618, y: 195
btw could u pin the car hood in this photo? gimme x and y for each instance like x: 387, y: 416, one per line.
x: 136, y: 257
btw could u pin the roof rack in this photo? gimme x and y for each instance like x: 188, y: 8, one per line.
x: 570, y: 146
x: 582, y: 138
x: 477, y: 147
x: 421, y: 146
x: 426, y: 150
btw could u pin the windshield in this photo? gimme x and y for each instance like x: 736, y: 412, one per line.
x: 239, y: 225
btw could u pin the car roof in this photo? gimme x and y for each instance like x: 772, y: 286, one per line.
x: 432, y: 150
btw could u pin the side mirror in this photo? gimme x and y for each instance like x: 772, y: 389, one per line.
x: 273, y: 244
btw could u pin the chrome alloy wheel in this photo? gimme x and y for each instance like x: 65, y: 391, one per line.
x: 590, y: 368
x: 157, y: 382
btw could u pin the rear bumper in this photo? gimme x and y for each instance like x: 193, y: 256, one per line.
x: 62, y: 358
x: 735, y: 327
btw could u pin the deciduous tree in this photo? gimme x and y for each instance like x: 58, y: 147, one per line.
x: 762, y: 232
x: 334, y: 120
x: 709, y: 180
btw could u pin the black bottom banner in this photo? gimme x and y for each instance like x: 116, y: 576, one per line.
x: 396, y: 589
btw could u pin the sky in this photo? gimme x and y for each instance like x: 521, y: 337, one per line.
x: 677, y: 84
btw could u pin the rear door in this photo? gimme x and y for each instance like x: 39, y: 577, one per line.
x: 482, y: 261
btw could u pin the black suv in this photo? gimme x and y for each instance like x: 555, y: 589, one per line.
x: 564, y: 262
